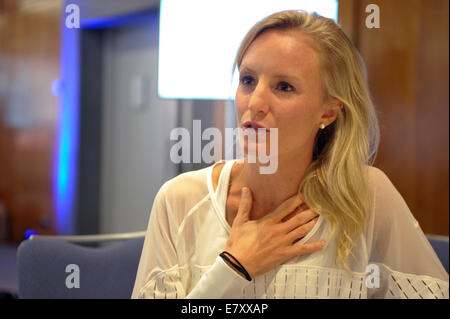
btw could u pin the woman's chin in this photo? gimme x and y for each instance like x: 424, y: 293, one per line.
x: 256, y: 149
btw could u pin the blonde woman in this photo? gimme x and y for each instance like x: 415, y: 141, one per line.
x: 326, y: 224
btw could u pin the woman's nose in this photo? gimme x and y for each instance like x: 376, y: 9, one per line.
x: 259, y: 100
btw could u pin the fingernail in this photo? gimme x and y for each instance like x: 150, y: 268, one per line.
x: 244, y: 191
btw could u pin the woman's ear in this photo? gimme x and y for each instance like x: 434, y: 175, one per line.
x: 331, y: 111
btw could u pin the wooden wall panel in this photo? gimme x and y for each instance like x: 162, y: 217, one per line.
x: 432, y: 116
x: 407, y: 64
x: 29, y: 62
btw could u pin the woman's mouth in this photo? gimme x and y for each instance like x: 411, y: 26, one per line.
x: 254, y: 126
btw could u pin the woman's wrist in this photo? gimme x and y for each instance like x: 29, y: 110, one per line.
x: 231, y: 261
x: 234, y: 269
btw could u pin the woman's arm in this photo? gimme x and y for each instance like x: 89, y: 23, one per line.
x: 159, y: 275
x: 410, y: 266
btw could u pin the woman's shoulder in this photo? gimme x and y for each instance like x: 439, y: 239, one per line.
x: 386, y: 197
x: 180, y: 194
x: 377, y: 177
x: 188, y: 183
x: 374, y: 172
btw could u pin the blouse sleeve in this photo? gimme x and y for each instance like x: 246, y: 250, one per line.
x: 160, y: 276
x: 408, y: 265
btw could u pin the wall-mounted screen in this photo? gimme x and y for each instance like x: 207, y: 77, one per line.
x: 198, y: 41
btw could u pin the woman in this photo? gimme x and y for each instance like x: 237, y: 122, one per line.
x: 318, y: 225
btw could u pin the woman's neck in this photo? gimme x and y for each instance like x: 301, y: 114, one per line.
x: 270, y: 190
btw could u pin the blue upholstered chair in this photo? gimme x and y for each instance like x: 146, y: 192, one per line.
x: 440, y: 245
x: 103, y: 272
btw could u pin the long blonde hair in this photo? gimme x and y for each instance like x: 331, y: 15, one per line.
x: 336, y: 183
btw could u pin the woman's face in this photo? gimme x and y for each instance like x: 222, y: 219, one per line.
x: 280, y: 87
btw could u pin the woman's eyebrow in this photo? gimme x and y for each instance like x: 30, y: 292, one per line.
x: 287, y: 76
x: 246, y: 70
x: 290, y: 77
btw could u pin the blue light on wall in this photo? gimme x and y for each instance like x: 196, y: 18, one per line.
x: 65, y: 167
x: 30, y: 232
x: 65, y: 160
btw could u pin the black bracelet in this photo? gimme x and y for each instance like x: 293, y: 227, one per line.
x: 238, y: 267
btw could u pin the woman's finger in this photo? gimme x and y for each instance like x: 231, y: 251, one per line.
x: 305, y: 249
x: 301, y: 231
x: 245, y: 206
x: 285, y: 208
x: 299, y: 219
x: 299, y: 209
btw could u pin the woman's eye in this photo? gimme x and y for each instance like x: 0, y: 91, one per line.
x: 283, y: 86
x: 247, y: 80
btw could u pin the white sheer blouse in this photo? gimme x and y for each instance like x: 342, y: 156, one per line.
x: 187, y: 231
